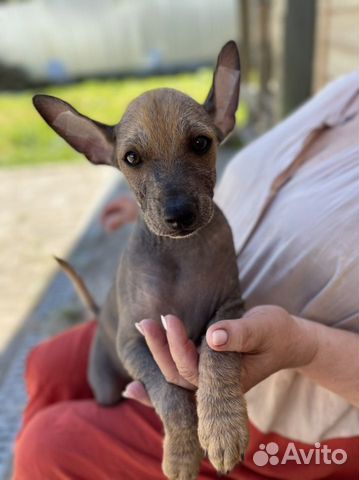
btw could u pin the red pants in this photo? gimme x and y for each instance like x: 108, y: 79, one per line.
x: 67, y: 436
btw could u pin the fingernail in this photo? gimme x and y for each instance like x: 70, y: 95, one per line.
x: 164, y: 322
x: 125, y: 393
x: 219, y: 337
x: 139, y: 328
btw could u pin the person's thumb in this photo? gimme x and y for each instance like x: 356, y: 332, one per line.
x: 233, y: 335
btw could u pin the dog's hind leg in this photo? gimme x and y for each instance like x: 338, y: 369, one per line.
x: 106, y: 375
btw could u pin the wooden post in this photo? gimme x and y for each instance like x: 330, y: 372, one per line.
x: 298, y: 54
x: 244, y: 39
x: 265, y: 45
x: 265, y: 99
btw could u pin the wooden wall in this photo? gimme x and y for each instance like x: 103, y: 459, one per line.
x: 337, y: 40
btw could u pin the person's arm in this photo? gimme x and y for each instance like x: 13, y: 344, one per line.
x: 270, y: 340
x: 335, y: 365
x: 328, y: 356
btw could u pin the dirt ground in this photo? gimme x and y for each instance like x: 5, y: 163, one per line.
x: 43, y: 211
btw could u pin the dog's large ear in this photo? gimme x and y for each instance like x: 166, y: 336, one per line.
x: 93, y: 139
x: 222, y: 100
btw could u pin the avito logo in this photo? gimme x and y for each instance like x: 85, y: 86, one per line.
x: 321, y: 454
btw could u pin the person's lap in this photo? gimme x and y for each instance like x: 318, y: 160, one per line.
x: 81, y: 440
x: 67, y: 436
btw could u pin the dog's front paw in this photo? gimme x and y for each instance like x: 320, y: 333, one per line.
x: 222, y: 426
x: 182, y: 454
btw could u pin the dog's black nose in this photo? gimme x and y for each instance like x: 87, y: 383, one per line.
x: 180, y: 213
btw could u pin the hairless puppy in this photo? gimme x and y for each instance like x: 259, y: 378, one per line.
x: 180, y: 260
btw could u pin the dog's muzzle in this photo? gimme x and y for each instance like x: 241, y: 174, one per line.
x: 180, y: 214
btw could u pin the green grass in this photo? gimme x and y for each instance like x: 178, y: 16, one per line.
x: 25, y: 139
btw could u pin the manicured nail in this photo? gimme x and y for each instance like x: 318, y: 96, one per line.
x: 125, y: 393
x: 139, y: 328
x: 219, y: 337
x: 164, y: 322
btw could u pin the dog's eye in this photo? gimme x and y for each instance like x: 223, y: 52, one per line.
x: 201, y: 144
x: 132, y: 159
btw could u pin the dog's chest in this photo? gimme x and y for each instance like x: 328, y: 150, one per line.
x: 191, y: 283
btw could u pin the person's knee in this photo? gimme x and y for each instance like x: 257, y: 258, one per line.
x: 45, y: 445
x: 37, y: 372
x: 51, y: 365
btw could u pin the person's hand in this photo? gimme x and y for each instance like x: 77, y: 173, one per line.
x: 269, y: 338
x: 117, y: 213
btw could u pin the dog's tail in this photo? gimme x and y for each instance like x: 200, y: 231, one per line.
x: 80, y: 287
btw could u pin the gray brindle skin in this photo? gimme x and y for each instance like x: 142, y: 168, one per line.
x: 180, y: 260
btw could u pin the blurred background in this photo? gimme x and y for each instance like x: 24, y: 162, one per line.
x: 99, y: 55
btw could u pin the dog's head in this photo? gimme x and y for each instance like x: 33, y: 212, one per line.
x: 165, y: 145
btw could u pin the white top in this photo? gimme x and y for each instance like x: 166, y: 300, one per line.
x: 291, y: 199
